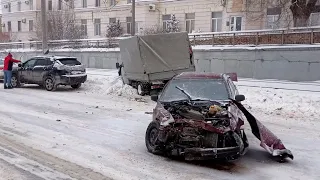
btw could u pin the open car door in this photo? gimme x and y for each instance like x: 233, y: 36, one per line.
x: 269, y: 141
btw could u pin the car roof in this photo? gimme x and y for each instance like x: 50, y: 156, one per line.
x: 199, y: 75
x: 54, y: 57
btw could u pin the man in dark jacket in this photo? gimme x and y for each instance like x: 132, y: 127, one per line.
x: 7, y: 70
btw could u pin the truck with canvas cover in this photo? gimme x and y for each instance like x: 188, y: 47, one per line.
x: 149, y: 61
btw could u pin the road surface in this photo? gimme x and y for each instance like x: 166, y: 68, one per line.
x: 97, y: 133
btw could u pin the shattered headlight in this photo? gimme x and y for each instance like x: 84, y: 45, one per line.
x: 167, y: 120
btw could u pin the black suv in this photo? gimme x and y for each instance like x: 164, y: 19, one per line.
x: 49, y: 72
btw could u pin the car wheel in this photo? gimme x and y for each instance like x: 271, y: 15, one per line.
x: 49, y: 84
x: 76, y: 86
x: 15, y: 81
x: 151, y: 138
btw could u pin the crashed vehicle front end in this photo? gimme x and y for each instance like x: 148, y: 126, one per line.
x: 199, y: 119
x: 199, y: 131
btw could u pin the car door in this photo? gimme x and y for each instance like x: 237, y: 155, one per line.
x: 26, y: 71
x: 40, y: 68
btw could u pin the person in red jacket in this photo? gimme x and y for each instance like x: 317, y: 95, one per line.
x: 7, y: 70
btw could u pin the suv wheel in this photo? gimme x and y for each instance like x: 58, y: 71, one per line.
x: 76, y: 86
x: 49, y: 84
x: 15, y: 81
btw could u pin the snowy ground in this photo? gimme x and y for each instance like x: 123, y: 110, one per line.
x: 98, y: 133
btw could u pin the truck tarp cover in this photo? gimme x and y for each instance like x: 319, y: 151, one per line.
x: 155, y: 53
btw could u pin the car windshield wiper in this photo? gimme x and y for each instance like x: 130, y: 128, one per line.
x: 184, y: 92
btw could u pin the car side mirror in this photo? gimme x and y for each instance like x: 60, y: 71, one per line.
x: 240, y: 98
x: 117, y: 65
x: 154, y: 98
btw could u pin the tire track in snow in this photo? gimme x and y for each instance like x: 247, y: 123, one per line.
x: 43, y: 165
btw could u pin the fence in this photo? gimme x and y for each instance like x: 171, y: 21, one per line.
x: 309, y: 35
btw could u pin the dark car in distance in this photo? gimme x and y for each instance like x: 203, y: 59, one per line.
x: 50, y: 72
x: 199, y: 116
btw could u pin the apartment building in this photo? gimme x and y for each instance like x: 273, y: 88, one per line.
x: 21, y: 17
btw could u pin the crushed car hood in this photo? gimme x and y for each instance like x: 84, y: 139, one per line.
x: 269, y: 141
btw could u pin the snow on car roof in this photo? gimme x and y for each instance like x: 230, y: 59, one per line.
x: 199, y: 75
x: 56, y: 57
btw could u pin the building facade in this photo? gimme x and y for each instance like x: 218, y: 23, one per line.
x: 21, y: 18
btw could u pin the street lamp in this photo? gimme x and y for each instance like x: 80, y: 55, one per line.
x: 133, y: 23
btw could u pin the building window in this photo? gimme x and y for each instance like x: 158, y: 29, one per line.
x: 84, y: 3
x: 273, y: 15
x: 9, y: 7
x: 9, y: 26
x: 97, y: 27
x: 272, y: 21
x: 190, y: 21
x: 216, y: 21
x: 98, y: 3
x: 31, y: 4
x: 50, y: 5
x: 315, y: 19
x: 236, y: 23
x: 59, y: 4
x: 129, y: 22
x: 112, y: 2
x: 112, y: 20
x: 19, y: 6
x: 19, y: 26
x: 30, y: 25
x: 84, y: 27
x: 165, y: 21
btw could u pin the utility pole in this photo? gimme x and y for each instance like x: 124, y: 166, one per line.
x: 133, y: 24
x: 44, y: 26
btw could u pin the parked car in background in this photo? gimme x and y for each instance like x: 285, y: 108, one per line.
x: 50, y: 72
x: 199, y: 116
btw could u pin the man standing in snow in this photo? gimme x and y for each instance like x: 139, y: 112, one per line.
x: 7, y: 70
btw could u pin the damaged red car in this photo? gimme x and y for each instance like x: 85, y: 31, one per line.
x: 199, y: 116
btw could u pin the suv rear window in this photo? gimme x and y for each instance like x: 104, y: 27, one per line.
x: 1, y: 62
x: 69, y: 61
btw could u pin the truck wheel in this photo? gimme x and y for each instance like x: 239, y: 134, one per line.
x: 143, y: 89
x: 49, y: 84
x: 15, y: 83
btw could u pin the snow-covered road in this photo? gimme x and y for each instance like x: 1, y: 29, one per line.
x: 98, y: 133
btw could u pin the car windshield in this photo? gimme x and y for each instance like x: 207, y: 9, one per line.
x: 70, y: 61
x: 205, y: 89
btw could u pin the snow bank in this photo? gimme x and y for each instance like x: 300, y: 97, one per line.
x: 107, y: 82
x: 291, y: 104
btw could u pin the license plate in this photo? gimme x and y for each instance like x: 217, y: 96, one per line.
x: 77, y: 72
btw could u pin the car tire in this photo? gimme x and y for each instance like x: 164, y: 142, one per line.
x: 76, y: 86
x: 15, y: 83
x: 49, y: 84
x: 151, y: 138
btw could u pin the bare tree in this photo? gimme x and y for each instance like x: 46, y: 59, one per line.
x: 301, y: 11
x: 61, y: 25
x: 153, y: 30
x: 290, y: 11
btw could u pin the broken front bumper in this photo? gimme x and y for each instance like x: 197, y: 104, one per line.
x: 211, y: 153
